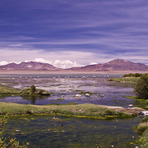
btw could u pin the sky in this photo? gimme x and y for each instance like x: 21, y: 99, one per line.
x: 70, y: 33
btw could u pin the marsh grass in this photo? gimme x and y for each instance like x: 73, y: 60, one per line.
x: 125, y: 79
x: 8, y: 90
x: 7, y: 141
x: 144, y: 140
x: 143, y: 103
x: 60, y: 99
x: 142, y: 128
x: 90, y: 111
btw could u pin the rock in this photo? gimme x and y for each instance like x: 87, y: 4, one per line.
x: 77, y: 95
x: 87, y: 95
x: 29, y: 112
x: 102, y: 96
x: 145, y: 113
x: 130, y: 105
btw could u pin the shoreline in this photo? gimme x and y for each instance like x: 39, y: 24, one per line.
x: 66, y: 72
x: 88, y: 111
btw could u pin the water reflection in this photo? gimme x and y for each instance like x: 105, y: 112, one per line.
x: 55, y: 132
x: 66, y: 87
x: 33, y: 99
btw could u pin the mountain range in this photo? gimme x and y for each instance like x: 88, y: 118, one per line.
x: 29, y: 66
x: 114, y: 65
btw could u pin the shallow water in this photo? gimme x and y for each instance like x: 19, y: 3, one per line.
x: 70, y: 89
x: 59, y: 132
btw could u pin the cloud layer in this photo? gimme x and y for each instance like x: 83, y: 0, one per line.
x: 64, y: 59
x: 73, y: 32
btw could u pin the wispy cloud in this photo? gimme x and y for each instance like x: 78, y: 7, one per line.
x: 78, y: 31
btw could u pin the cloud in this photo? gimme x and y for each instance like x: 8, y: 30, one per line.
x: 74, y: 32
x: 62, y: 59
x: 3, y: 62
x: 67, y: 59
x: 66, y: 64
x: 93, y: 63
x: 41, y: 60
x: 59, y: 63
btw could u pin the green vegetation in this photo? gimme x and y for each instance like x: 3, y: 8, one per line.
x: 142, y: 129
x: 61, y: 100
x: 141, y: 91
x: 27, y: 91
x: 144, y: 140
x: 32, y: 91
x: 128, y: 78
x: 141, y: 88
x: 8, y: 91
x: 125, y: 79
x: 139, y: 102
x: 132, y: 75
x: 89, y: 111
x: 7, y: 142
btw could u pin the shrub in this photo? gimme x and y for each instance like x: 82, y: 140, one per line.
x: 33, y: 89
x: 141, y: 88
x: 133, y: 75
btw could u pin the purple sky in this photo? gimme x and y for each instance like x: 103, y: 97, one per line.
x: 70, y: 33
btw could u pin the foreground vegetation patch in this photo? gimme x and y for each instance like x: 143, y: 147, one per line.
x: 81, y: 110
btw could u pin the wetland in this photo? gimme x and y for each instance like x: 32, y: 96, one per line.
x: 71, y: 90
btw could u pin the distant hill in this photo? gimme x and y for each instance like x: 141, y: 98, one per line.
x: 115, y: 65
x: 29, y: 66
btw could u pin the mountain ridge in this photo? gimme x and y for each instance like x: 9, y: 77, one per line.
x: 29, y: 66
x: 114, y: 65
